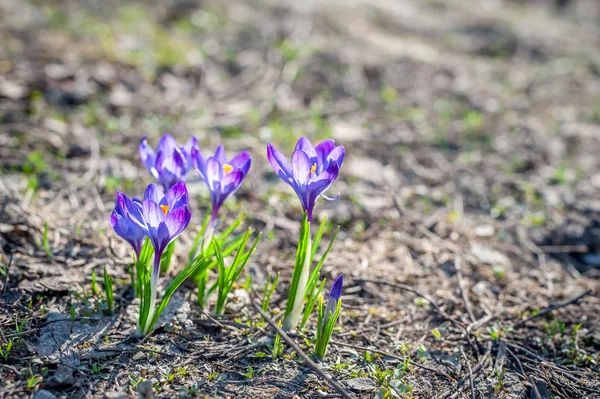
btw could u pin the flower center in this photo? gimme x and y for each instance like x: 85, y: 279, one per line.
x: 313, y: 168
x: 227, y: 168
x: 164, y: 208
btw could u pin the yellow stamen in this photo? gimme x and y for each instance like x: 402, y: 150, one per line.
x: 227, y: 168
x: 165, y: 209
x: 313, y: 168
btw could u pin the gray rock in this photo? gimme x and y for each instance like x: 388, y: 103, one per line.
x: 43, y: 394
x: 361, y: 384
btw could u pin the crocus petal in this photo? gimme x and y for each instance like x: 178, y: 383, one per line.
x: 279, y: 164
x: 166, y: 144
x: 301, y: 166
x: 336, y: 288
x: 177, y: 196
x: 214, y: 173
x: 246, y: 167
x: 321, y: 183
x: 154, y: 193
x: 187, y: 150
x: 220, y: 155
x: 153, y: 215
x: 337, y: 155
x: 127, y: 230
x: 241, y: 161
x: 177, y: 220
x: 306, y: 146
x: 231, y: 182
x: 171, y: 167
x: 160, y: 238
x: 199, y: 163
x: 148, y: 157
x: 323, y: 150
x: 331, y: 198
x: 130, y: 210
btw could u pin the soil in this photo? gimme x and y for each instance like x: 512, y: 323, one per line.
x: 469, y: 206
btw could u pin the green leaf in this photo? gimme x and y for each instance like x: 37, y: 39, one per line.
x: 228, y: 276
x: 311, y: 300
x: 303, y: 244
x: 108, y: 287
x: 181, y: 277
x: 314, y: 275
x: 45, y: 242
x: 268, y: 292
x: 142, y: 267
x: 317, y: 239
x: 198, y: 239
x: 224, y: 235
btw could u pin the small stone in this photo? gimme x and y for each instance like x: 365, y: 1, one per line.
x: 145, y: 390
x: 121, y: 97
x: 488, y: 255
x: 58, y: 71
x: 485, y: 230
x: 44, y: 394
x: 482, y: 288
x: 105, y: 74
x: 12, y: 90
x: 361, y: 384
x: 238, y: 300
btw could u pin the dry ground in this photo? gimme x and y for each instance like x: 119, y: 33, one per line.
x: 469, y: 208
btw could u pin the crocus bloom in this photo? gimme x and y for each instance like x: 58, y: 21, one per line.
x: 222, y: 177
x: 334, y: 296
x: 165, y: 217
x: 171, y: 162
x: 328, y: 316
x: 312, y: 170
x: 126, y: 221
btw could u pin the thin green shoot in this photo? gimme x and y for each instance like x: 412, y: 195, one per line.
x: 268, y: 292
x: 45, y: 242
x: 108, y: 288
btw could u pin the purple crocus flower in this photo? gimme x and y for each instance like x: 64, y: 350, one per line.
x: 334, y: 296
x: 165, y: 217
x: 127, y: 221
x: 171, y: 162
x: 312, y: 170
x: 222, y: 177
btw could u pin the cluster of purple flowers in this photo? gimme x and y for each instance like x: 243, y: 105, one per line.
x: 164, y: 214
x: 162, y: 217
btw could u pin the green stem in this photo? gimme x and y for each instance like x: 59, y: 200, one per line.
x: 202, y: 276
x: 291, y: 321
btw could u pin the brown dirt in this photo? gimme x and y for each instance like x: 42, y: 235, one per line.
x: 469, y: 208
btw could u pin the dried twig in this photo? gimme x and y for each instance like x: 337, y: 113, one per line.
x: 534, y: 388
x: 552, y: 307
x: 475, y: 371
x: 330, y: 380
x: 471, y: 379
x: 408, y: 288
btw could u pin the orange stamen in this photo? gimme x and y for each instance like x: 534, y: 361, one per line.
x: 313, y: 168
x: 165, y: 209
x: 227, y: 168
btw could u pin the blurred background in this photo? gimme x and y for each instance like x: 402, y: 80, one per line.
x: 479, y: 118
x: 472, y: 131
